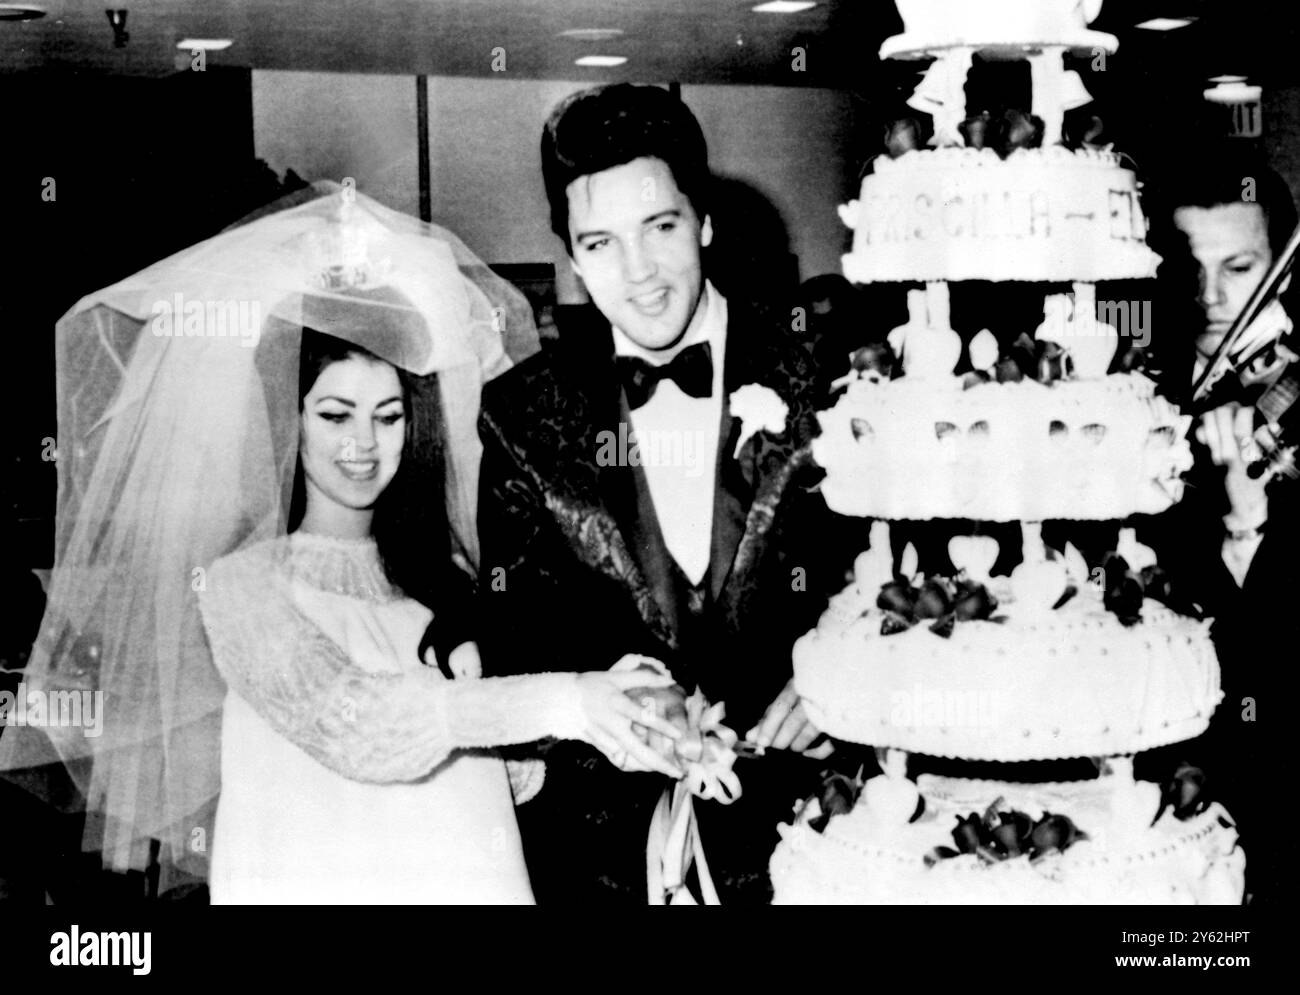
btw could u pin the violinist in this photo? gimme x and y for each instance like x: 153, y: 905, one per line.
x: 1232, y: 541
x: 1227, y: 223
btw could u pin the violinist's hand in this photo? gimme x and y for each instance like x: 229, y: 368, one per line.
x: 1228, y: 433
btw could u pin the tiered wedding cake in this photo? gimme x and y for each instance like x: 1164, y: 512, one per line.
x: 1057, y: 661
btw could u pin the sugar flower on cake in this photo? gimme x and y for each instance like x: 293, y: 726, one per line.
x: 759, y: 409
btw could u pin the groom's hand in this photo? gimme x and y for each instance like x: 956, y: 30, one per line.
x: 662, y: 703
x: 668, y: 704
x: 785, y: 726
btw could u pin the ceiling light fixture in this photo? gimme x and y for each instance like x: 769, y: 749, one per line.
x: 783, y: 7
x: 204, y: 44
x: 601, y: 61
x: 1166, y: 23
x: 1227, y: 79
x: 21, y: 12
x: 592, y: 34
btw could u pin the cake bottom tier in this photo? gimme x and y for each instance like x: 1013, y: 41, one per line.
x: 864, y: 858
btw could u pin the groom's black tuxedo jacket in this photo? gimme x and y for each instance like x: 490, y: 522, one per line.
x: 574, y: 570
x: 575, y: 573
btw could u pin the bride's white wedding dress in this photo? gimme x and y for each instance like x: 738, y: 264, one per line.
x: 337, y: 788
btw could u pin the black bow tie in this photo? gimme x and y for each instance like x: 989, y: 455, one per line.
x: 691, y: 369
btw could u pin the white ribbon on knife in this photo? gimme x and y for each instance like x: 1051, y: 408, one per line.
x: 706, y: 752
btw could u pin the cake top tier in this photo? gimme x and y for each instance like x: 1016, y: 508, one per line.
x: 1006, y: 28
x: 952, y: 32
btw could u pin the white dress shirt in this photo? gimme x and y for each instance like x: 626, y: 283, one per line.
x: 677, y: 443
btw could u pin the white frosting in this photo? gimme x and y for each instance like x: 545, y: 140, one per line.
x: 1067, y: 683
x: 983, y: 350
x: 1006, y: 26
x: 1045, y: 215
x: 1035, y: 682
x: 862, y: 859
x: 1036, y: 587
x: 922, y: 449
x: 974, y: 555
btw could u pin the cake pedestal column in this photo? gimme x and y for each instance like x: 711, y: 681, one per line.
x: 1032, y: 547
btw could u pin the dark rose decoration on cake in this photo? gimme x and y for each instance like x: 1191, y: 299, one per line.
x: 838, y: 794
x: 1004, y: 834
x: 1126, y: 589
x: 942, y: 601
x: 1185, y: 793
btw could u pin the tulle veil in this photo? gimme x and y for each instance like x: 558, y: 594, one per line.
x: 177, y: 437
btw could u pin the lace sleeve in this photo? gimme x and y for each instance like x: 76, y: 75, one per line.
x: 367, y: 727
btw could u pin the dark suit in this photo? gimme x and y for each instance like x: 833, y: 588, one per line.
x: 1256, y: 635
x: 575, y: 574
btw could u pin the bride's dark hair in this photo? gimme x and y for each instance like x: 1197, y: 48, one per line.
x: 410, y: 521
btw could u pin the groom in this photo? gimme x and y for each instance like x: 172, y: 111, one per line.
x: 629, y: 503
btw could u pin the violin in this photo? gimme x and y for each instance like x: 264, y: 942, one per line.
x: 1266, y: 373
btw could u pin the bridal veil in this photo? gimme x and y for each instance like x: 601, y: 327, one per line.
x: 177, y: 441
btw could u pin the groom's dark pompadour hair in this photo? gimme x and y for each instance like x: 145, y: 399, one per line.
x: 598, y: 129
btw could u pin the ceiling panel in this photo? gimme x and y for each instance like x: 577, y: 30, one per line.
x: 692, y: 41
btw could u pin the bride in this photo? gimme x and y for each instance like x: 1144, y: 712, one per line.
x: 267, y: 464
x: 338, y: 788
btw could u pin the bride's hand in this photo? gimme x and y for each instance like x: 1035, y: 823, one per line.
x: 667, y: 702
x: 612, y: 718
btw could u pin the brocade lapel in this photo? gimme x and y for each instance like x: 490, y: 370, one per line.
x: 627, y: 493
x: 758, y: 352
x: 604, y: 492
x: 732, y: 493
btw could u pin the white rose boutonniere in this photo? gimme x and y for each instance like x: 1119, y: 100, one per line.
x: 760, y: 409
